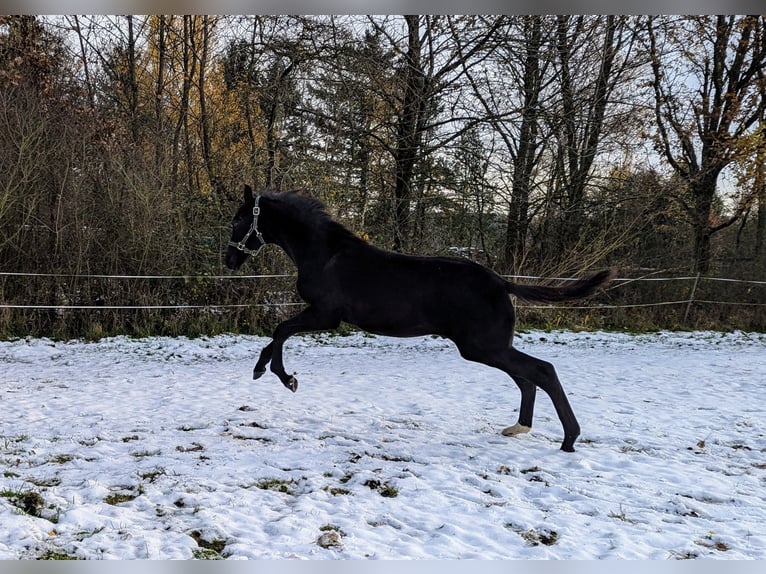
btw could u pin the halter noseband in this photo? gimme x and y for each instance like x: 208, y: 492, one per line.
x: 253, y: 229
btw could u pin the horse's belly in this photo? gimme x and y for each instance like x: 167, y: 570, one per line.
x: 396, y: 320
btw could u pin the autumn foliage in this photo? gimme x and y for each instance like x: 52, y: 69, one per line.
x: 537, y: 145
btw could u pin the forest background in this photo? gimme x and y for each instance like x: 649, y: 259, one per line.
x: 540, y: 146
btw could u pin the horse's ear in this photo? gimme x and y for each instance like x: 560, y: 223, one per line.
x: 248, y: 194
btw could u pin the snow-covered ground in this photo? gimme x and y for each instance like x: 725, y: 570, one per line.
x: 165, y: 448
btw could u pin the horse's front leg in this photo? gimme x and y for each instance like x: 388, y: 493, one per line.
x: 263, y: 360
x: 310, y: 319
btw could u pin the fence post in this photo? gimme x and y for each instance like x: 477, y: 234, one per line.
x: 691, y: 297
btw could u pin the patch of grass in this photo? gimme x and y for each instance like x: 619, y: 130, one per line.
x: 195, y: 447
x: 329, y: 526
x: 255, y: 425
x: 57, y: 554
x: 276, y: 484
x: 709, y: 542
x: 208, y: 549
x: 394, y: 458
x: 45, y: 482
x: 190, y: 428
x: 720, y: 546
x: 260, y: 439
x: 684, y: 555
x: 621, y: 516
x: 205, y: 554
x: 32, y: 503
x: 120, y: 497
x: 10, y: 444
x: 9, y: 440
x: 152, y: 475
x: 145, y: 453
x: 336, y: 491
x: 93, y: 441
x: 629, y: 448
x: 389, y: 491
x: 535, y: 537
x: 61, y: 459
x: 383, y: 488
x: 85, y: 534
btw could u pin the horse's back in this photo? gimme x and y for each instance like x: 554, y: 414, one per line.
x: 403, y: 295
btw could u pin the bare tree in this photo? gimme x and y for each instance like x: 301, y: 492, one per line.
x: 703, y: 113
x: 511, y: 91
x: 410, y: 127
x: 201, y: 51
x: 438, y: 51
x: 606, y: 44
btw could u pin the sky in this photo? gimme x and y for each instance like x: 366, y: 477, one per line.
x: 377, y: 6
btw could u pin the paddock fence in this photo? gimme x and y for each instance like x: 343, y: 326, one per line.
x: 82, y: 305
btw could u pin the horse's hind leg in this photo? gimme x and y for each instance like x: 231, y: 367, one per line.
x: 526, y: 411
x: 528, y: 372
x: 541, y: 373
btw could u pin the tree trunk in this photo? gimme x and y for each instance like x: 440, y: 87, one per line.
x: 702, y: 251
x: 581, y: 142
x: 703, y: 190
x: 759, y: 250
x: 408, y: 133
x: 84, y: 61
x: 204, y: 117
x: 760, y: 230
x: 524, y: 161
x: 132, y: 87
x: 160, y: 144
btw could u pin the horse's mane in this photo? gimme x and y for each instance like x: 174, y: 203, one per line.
x: 310, y: 212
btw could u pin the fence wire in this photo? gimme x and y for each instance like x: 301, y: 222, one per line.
x: 618, y: 283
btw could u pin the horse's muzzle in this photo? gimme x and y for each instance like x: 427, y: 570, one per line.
x: 234, y: 258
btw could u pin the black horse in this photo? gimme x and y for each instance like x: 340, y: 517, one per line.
x: 343, y: 278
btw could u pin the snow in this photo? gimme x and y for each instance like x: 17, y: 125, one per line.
x: 165, y: 448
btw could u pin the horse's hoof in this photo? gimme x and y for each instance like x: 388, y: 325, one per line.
x: 516, y: 429
x: 258, y: 374
x: 568, y: 444
x: 291, y: 383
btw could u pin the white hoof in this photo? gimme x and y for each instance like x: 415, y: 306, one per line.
x: 516, y: 429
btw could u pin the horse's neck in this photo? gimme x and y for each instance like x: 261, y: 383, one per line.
x: 306, y: 254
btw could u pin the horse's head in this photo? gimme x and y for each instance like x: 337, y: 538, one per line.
x: 246, y: 236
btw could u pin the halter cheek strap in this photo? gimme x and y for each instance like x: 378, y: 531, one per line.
x: 253, y: 229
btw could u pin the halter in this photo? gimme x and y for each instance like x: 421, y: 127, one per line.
x: 253, y: 229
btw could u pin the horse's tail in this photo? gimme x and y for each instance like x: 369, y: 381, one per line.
x: 576, y: 290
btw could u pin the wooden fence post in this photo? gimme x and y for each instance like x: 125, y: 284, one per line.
x: 691, y: 297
